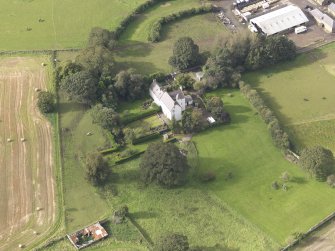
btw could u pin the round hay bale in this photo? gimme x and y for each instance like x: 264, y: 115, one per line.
x: 37, y: 89
x: 21, y: 246
x: 23, y: 139
x: 9, y: 140
x: 35, y: 232
x: 43, y: 64
x: 38, y: 209
x: 89, y: 134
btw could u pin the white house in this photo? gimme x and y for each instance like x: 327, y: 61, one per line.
x: 172, y: 104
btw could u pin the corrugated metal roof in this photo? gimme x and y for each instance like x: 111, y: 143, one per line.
x: 322, y: 17
x: 280, y: 20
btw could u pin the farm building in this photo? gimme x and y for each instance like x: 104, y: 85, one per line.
x: 278, y: 21
x: 331, y: 9
x: 87, y: 236
x: 323, y: 20
x: 172, y: 104
x: 322, y: 2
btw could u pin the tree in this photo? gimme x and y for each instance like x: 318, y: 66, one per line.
x: 318, y: 161
x: 108, y: 119
x: 101, y: 37
x: 129, y: 135
x: 215, y: 107
x: 193, y: 121
x: 185, y: 81
x: 172, y: 242
x: 97, y: 169
x: 185, y: 54
x: 130, y: 85
x: 163, y: 164
x: 46, y: 101
x: 98, y: 60
x: 67, y: 69
x: 80, y: 86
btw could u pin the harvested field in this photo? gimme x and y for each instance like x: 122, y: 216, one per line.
x: 27, y: 187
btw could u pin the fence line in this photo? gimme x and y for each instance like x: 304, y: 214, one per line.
x: 47, y: 51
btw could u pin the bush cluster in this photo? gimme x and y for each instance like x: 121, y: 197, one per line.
x: 279, y: 136
x: 155, y: 30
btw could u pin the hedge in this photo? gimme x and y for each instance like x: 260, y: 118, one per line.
x: 131, y: 118
x: 110, y: 150
x: 135, y: 155
x: 279, y: 136
x: 128, y: 19
x: 146, y: 138
x: 156, y: 28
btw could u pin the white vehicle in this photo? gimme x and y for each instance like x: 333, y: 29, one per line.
x: 300, y: 29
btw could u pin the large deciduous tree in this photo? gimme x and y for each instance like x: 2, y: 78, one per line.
x: 97, y: 169
x: 193, y: 121
x: 215, y: 107
x: 185, y: 54
x: 46, y: 102
x: 130, y: 85
x: 318, y: 161
x: 101, y: 37
x: 80, y: 87
x: 164, y: 165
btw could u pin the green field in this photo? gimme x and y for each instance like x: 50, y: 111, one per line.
x: 300, y: 92
x: 146, y: 57
x: 245, y: 149
x: 66, y: 23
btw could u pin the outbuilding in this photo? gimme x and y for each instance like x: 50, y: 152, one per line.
x: 323, y: 20
x: 278, y: 21
x: 331, y: 9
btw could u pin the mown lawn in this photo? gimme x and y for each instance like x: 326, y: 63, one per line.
x: 245, y: 149
x: 301, y: 94
x: 66, y: 23
x: 83, y: 205
x: 136, y: 52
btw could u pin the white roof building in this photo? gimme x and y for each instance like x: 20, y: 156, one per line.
x: 279, y: 20
x: 323, y: 20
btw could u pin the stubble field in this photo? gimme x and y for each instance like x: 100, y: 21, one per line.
x: 26, y: 180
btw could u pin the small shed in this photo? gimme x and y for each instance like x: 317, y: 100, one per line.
x: 188, y: 100
x: 211, y: 120
x: 331, y: 9
x: 199, y: 75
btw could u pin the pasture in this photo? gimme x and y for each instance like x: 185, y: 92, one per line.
x: 301, y: 94
x: 135, y: 52
x: 50, y: 24
x: 26, y: 154
x: 244, y: 149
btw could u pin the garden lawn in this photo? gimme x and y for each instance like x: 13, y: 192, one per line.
x: 135, y: 52
x: 83, y: 205
x: 301, y: 93
x: 245, y: 149
x: 66, y: 23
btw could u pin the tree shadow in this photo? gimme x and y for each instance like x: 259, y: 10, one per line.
x: 65, y: 107
x: 134, y: 49
x: 298, y: 180
x: 143, y: 215
x: 217, y: 247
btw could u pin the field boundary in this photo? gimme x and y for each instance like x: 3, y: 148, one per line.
x: 45, y: 52
x: 311, y: 230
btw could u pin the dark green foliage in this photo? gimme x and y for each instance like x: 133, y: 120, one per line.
x: 107, y: 118
x: 68, y: 69
x: 159, y: 76
x: 185, y: 54
x: 101, y: 37
x: 164, y: 165
x: 80, y: 86
x: 331, y: 180
x: 98, y: 60
x: 172, y: 242
x: 46, y: 102
x: 318, y: 161
x: 130, y: 85
x: 97, y: 169
x: 279, y: 137
x: 128, y: 119
x: 155, y: 29
x: 275, y: 185
x: 133, y: 156
x: 185, y: 81
x: 215, y: 107
x: 120, y: 214
x: 270, y: 50
x: 146, y: 138
x: 193, y: 121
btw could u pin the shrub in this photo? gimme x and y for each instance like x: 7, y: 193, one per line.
x: 275, y: 185
x: 46, y: 102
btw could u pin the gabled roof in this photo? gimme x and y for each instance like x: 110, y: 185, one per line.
x: 156, y: 89
x: 163, y: 96
x: 322, y: 17
x: 331, y: 7
x: 167, y: 101
x: 280, y: 20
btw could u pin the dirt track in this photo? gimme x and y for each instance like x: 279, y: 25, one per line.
x: 26, y: 180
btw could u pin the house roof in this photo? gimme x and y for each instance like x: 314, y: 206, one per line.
x: 322, y: 17
x: 331, y: 7
x: 167, y: 101
x: 280, y: 20
x: 156, y: 89
x: 178, y: 94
